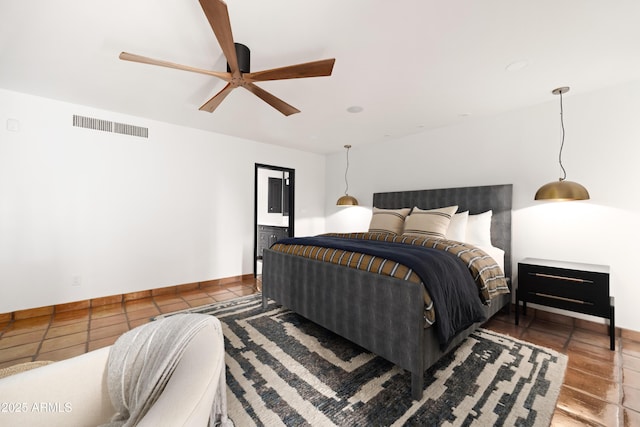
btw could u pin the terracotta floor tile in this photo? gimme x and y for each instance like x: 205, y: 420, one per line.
x: 507, y: 328
x: 170, y: 308
x: 591, y: 338
x: 106, y: 310
x: 630, y: 378
x: 630, y: 418
x: 566, y: 419
x: 137, y: 322
x: 66, y: 329
x: 545, y: 339
x: 215, y: 290
x: 108, y: 331
x: 64, y: 341
x: 595, y: 351
x: 631, y: 335
x: 27, y: 325
x: 596, y: 367
x: 511, y: 316
x: 139, y: 304
x: 555, y: 318
x: 631, y: 398
x: 244, y: 291
x: 234, y: 287
x: 552, y: 328
x: 632, y: 348
x: 101, y: 322
x: 19, y: 351
x: 167, y: 299
x: 588, y: 407
x: 103, y: 342
x: 599, y: 387
x: 144, y: 313
x: 223, y: 296
x: 15, y: 362
x: 63, y: 353
x: 67, y: 317
x: 631, y: 362
x: 193, y: 294
x: 201, y: 301
x: 19, y: 339
x: 600, y: 328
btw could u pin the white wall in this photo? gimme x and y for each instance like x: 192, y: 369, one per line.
x: 602, y: 151
x: 119, y: 214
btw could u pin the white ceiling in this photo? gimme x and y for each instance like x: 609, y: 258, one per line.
x: 410, y: 64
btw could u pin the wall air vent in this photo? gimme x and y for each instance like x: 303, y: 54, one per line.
x: 130, y: 130
x: 91, y: 123
x: 107, y: 126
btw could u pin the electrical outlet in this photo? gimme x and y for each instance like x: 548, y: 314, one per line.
x: 76, y: 281
x: 13, y: 125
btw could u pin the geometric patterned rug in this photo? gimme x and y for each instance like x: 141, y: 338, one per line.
x: 285, y: 370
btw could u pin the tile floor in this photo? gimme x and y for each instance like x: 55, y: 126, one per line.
x: 601, y: 387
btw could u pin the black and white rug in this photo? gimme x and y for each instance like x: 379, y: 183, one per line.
x: 285, y: 370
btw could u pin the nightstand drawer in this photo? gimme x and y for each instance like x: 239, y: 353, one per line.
x: 570, y: 289
x: 581, y: 288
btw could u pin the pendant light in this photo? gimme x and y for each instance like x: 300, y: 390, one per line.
x: 562, y: 190
x: 347, y: 200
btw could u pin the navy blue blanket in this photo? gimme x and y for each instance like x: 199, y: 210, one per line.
x: 446, y: 278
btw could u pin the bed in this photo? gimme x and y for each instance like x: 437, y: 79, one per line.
x: 383, y: 314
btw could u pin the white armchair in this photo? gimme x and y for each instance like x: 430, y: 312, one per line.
x: 74, y: 392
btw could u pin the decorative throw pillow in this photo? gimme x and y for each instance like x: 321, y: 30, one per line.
x: 458, y: 227
x: 388, y: 220
x: 429, y: 223
x: 479, y: 229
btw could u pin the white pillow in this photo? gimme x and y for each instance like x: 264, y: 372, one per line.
x: 479, y: 229
x: 458, y: 227
x: 496, y: 253
x: 429, y: 223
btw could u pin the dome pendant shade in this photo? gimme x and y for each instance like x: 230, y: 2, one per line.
x: 562, y: 191
x: 347, y: 200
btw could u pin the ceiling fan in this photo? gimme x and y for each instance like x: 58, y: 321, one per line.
x: 238, y: 61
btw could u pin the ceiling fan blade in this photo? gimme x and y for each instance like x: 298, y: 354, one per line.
x: 143, y: 59
x: 320, y: 68
x: 213, y: 103
x: 218, y: 17
x: 272, y: 100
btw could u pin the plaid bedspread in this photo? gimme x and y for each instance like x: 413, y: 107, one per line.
x: 487, y: 274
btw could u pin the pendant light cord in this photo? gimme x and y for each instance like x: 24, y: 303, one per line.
x: 564, y: 172
x: 346, y: 190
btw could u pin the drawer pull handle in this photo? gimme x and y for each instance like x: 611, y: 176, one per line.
x: 571, y: 279
x: 563, y: 298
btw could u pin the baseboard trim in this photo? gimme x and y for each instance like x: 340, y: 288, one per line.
x: 116, y: 299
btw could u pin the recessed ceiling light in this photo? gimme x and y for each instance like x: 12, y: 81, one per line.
x: 355, y: 109
x: 517, y: 65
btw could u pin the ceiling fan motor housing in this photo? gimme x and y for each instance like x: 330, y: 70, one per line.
x: 244, y: 58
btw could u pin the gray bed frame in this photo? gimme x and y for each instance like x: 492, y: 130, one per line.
x: 382, y: 314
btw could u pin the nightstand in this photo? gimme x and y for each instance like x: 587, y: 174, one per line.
x: 581, y: 288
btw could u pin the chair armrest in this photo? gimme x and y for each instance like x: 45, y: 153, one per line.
x: 65, y: 393
x: 187, y: 399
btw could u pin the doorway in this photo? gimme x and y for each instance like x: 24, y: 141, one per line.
x: 274, y: 209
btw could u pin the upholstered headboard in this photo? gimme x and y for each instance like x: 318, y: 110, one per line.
x: 474, y: 199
